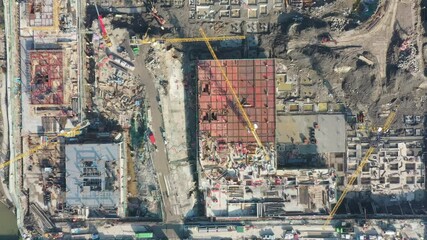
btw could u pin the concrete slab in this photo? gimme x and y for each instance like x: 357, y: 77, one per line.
x: 329, y: 135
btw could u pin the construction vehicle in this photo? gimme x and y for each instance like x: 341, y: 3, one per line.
x: 152, y: 138
x: 153, y: 11
x: 328, y: 38
x: 158, y: 18
x: 134, y: 43
x: 135, y: 50
x: 374, y: 143
x: 251, y: 126
x: 103, y: 30
x: 72, y: 133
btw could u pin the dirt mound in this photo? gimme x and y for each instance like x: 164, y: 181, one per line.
x: 359, y: 86
x: 351, y: 79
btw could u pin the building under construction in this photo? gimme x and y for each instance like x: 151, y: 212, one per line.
x: 300, y: 3
x: 42, y: 13
x: 46, y: 77
x: 220, y: 120
x: 395, y: 168
x: 95, y: 178
x: 229, y: 155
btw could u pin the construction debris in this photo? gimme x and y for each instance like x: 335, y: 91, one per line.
x: 408, y: 57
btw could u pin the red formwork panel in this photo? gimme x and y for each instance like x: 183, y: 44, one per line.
x: 253, y: 80
x: 46, y: 77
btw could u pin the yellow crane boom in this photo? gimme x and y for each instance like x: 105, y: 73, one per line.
x: 354, y: 176
x: 73, y: 132
x: 148, y: 40
x: 233, y: 92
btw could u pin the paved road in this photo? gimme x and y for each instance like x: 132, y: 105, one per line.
x: 13, y: 101
x: 160, y: 160
x: 5, y: 140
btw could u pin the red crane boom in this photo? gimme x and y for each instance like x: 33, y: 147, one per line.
x: 103, y: 30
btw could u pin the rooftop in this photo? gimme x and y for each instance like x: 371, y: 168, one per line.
x: 46, y: 74
x: 42, y: 13
x: 329, y: 135
x: 91, y: 174
x: 253, y: 81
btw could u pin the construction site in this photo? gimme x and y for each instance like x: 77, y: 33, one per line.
x: 230, y: 158
x: 393, y: 180
x: 49, y: 60
x: 220, y: 112
x: 101, y: 186
x: 72, y: 166
x: 43, y: 14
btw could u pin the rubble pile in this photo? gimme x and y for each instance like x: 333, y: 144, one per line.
x: 407, y: 58
x: 338, y: 24
x: 116, y: 93
x: 119, y: 95
x: 148, y: 188
x: 152, y: 61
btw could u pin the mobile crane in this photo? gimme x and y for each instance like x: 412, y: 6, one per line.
x: 251, y: 126
x: 353, y: 178
x: 103, y: 30
x: 72, y: 133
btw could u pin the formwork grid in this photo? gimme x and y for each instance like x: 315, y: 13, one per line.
x: 43, y: 15
x: 46, y: 71
x: 254, y: 83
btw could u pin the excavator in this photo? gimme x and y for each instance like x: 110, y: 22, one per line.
x: 153, y: 11
x: 158, y: 18
x: 326, y: 38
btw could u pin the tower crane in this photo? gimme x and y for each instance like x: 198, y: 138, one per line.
x: 354, y: 176
x: 73, y: 132
x: 251, y: 126
x: 103, y: 30
x: 148, y: 40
